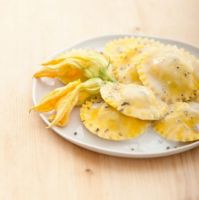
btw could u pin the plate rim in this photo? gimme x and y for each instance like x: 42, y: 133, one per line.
x: 104, y: 150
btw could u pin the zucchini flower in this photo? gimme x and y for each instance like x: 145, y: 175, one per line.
x: 77, y: 64
x: 62, y: 100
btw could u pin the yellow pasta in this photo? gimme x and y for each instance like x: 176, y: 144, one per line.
x: 125, y: 54
x: 181, y: 124
x: 117, y: 47
x: 102, y: 120
x: 133, y: 100
x: 124, y: 68
x: 169, y: 72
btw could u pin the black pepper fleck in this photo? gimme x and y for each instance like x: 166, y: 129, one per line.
x: 120, y: 134
x: 106, y: 130
x: 97, y: 129
x: 75, y: 133
x: 125, y: 103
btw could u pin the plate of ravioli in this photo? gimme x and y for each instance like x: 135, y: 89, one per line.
x: 122, y: 95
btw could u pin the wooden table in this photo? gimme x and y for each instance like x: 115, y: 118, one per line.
x: 35, y: 163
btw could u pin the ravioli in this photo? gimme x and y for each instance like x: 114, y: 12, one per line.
x: 133, y: 100
x: 126, y: 55
x: 181, y: 124
x: 124, y: 69
x: 116, y: 47
x: 197, y: 99
x: 102, y: 120
x: 169, y: 72
x: 195, y: 64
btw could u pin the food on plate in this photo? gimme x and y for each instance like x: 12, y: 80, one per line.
x: 124, y: 69
x: 134, y: 100
x: 106, y: 122
x: 169, y: 73
x: 115, y: 48
x: 181, y: 123
x: 62, y: 100
x: 76, y: 64
x: 49, y: 101
x: 132, y: 83
x: 124, y: 60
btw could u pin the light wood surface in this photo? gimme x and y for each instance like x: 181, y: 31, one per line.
x: 37, y: 164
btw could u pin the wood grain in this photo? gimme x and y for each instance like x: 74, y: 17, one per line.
x: 37, y: 164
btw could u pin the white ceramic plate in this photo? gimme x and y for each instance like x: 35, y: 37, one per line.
x: 147, y: 145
